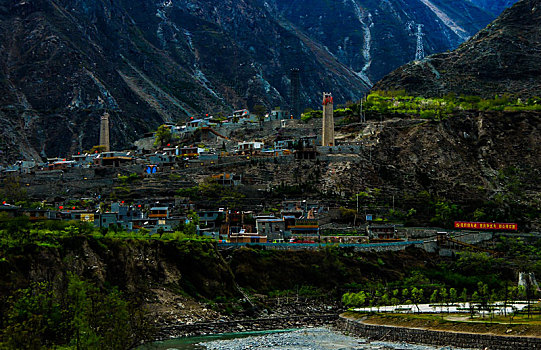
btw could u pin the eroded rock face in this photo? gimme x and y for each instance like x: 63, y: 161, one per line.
x: 374, y: 37
x: 502, y: 58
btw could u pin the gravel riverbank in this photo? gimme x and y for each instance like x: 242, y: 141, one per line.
x: 247, y: 325
x: 309, y: 339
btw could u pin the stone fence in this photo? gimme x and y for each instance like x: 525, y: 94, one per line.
x: 438, y: 338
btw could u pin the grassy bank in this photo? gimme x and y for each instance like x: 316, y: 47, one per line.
x: 530, y: 327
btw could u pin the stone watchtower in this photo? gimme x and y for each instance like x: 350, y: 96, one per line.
x: 328, y: 120
x: 294, y: 93
x: 104, y: 132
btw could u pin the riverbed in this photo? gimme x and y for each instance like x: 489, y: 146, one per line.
x: 301, y: 339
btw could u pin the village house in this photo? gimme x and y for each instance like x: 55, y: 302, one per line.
x: 247, y: 237
x: 278, y: 114
x: 235, y: 221
x: 305, y: 229
x: 381, y: 232
x: 159, y: 213
x: 62, y: 164
x: 211, y: 219
x: 161, y: 159
x: 114, y: 159
x: 272, y: 227
x: 191, y: 152
x: 10, y: 211
x: 227, y: 179
x: 244, y: 116
x: 251, y: 147
x: 208, y: 157
x: 195, y: 124
x: 84, y: 160
x: 284, y: 144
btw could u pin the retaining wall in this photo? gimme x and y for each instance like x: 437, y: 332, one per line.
x: 342, y: 149
x: 372, y: 247
x: 439, y: 338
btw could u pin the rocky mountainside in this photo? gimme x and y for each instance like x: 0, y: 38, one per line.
x: 502, y: 58
x: 64, y: 63
x: 494, y: 6
x: 374, y: 37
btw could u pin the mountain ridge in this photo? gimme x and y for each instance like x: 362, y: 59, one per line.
x: 500, y: 59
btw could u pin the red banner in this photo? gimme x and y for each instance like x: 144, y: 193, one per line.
x: 486, y: 226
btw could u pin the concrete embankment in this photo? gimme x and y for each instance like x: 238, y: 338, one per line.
x: 439, y: 338
x: 248, y: 325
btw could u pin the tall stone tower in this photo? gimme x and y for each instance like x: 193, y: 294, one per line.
x: 294, y: 93
x: 104, y: 132
x: 328, y: 120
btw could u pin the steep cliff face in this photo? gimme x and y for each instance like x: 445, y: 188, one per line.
x: 182, y: 282
x: 134, y: 266
x: 374, y: 37
x: 502, y: 58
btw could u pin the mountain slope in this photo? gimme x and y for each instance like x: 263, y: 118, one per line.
x: 502, y: 58
x: 64, y: 63
x: 494, y: 6
x: 374, y: 37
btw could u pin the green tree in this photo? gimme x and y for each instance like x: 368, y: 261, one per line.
x: 483, y: 294
x: 346, y: 299
x: 434, y: 298
x: 445, y: 213
x: 33, y: 319
x: 377, y: 298
x: 444, y: 298
x: 453, y: 295
x: 475, y: 299
x: 385, y: 299
x: 405, y: 294
x: 260, y: 111
x: 464, y: 296
x: 80, y: 306
x: 358, y: 299
x: 18, y: 229
x: 12, y: 191
x: 98, y: 320
x: 163, y: 136
x: 492, y: 299
x: 417, y: 296
x: 354, y: 299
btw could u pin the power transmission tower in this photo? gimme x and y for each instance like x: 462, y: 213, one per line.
x: 420, y: 52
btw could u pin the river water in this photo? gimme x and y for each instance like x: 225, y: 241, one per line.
x: 302, y: 339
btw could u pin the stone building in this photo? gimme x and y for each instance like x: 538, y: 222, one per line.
x: 104, y: 132
x: 328, y: 120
